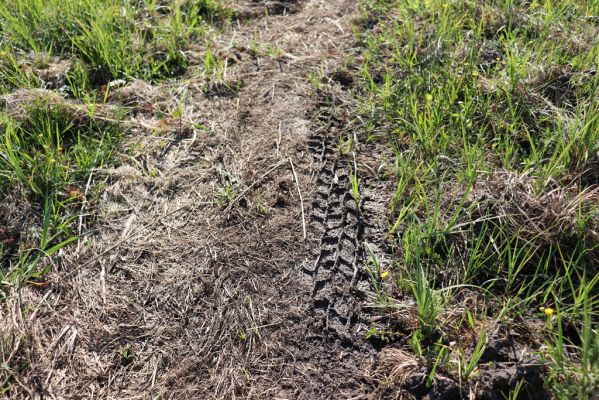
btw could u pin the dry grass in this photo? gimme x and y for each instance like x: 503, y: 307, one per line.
x: 547, y: 216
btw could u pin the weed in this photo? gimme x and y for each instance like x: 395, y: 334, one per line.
x: 374, y: 270
x: 355, y: 188
x: 468, y: 367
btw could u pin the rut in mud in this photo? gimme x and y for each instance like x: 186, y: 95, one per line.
x: 199, y: 283
x: 336, y: 220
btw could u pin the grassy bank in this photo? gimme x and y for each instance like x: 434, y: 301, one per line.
x: 492, y: 110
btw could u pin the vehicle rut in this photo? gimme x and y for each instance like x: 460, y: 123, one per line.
x: 337, y: 255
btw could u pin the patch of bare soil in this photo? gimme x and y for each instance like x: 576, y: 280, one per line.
x: 228, y: 263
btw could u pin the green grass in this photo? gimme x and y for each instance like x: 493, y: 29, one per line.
x: 49, y: 148
x: 46, y: 158
x: 104, y: 39
x: 492, y: 109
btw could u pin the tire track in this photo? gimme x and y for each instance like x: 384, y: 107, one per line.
x: 335, y: 220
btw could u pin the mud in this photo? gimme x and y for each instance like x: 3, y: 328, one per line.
x: 337, y: 224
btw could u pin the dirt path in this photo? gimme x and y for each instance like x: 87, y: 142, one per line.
x: 200, y: 283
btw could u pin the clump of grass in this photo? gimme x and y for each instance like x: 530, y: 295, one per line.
x: 492, y: 109
x: 46, y: 156
x: 82, y: 47
x: 114, y: 39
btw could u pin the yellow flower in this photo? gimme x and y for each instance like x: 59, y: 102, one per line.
x: 548, y: 311
x: 474, y: 73
x: 429, y: 97
x: 384, y: 274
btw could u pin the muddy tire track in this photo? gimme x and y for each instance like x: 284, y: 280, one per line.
x: 337, y: 252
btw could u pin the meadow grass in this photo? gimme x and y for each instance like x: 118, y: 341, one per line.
x: 46, y: 158
x: 104, y: 39
x: 492, y: 110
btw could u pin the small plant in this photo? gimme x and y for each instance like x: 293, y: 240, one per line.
x: 375, y: 272
x: 355, y: 188
x: 228, y: 192
x: 347, y: 147
x: 440, y: 359
x: 214, y: 67
x: 468, y: 367
x: 515, y: 393
x: 314, y: 80
x: 126, y: 354
x: 381, y: 335
x: 428, y: 302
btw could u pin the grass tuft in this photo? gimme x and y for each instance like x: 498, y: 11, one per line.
x: 46, y: 157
